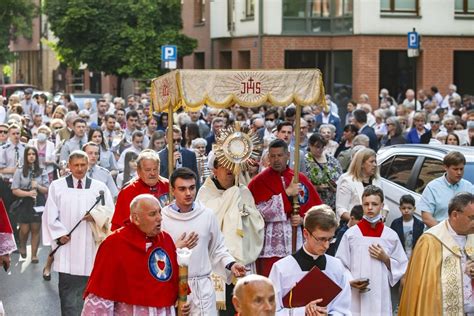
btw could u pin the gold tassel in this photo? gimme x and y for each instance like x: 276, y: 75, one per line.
x: 240, y: 232
x: 220, y: 305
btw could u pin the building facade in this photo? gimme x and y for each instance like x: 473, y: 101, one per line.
x: 36, y: 63
x: 359, y: 45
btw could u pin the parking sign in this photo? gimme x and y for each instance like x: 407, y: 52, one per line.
x: 413, y: 40
x: 169, y: 53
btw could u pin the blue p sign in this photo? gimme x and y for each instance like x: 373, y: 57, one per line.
x: 413, y: 40
x: 169, y: 53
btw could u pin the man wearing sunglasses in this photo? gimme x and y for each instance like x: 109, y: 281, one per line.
x: 434, y: 121
x: 3, y: 134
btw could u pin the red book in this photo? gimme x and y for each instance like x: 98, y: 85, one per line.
x: 314, y: 285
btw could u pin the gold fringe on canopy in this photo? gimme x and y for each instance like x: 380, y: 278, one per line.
x: 249, y: 88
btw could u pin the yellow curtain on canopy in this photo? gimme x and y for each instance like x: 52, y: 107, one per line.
x: 224, y: 88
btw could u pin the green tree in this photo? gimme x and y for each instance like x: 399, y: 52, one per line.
x: 15, y: 21
x: 120, y: 37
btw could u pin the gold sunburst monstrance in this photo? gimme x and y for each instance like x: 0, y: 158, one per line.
x: 234, y: 149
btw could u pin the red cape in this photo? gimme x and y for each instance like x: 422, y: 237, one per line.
x: 126, y: 195
x: 124, y: 272
x: 5, y: 226
x: 369, y: 231
x: 268, y: 183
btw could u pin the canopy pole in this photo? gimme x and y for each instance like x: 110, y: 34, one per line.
x: 169, y: 138
x: 296, y: 204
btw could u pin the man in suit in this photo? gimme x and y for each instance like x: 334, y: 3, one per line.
x: 326, y: 117
x: 65, y: 133
x: 98, y: 117
x: 196, y: 118
x: 360, y: 121
x: 217, y: 125
x: 182, y: 157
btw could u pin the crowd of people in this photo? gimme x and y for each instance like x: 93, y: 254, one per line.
x: 57, y: 161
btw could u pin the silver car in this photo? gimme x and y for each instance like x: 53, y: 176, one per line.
x: 407, y: 169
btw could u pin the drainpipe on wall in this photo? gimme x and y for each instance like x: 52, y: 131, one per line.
x: 260, y: 33
x: 40, y: 67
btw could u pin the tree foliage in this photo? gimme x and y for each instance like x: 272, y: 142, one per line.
x: 15, y: 20
x: 121, y: 37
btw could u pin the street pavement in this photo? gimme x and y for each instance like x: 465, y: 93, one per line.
x: 23, y: 290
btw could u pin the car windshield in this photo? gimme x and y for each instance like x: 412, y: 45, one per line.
x: 469, y: 172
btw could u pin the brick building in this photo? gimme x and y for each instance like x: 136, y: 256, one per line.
x: 360, y: 45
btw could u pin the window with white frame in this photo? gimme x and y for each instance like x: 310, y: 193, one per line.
x: 250, y: 9
x: 399, y: 6
x: 464, y: 7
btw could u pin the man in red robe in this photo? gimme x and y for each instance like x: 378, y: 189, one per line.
x: 135, y: 270
x: 273, y: 191
x: 148, y: 181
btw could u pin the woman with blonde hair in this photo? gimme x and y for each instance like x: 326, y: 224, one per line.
x: 418, y: 129
x: 59, y: 112
x: 363, y: 171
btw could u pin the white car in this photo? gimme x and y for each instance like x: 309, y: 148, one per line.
x: 407, y: 169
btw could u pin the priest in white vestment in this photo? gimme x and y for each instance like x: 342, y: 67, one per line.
x: 69, y: 199
x: 319, y: 228
x: 370, y: 250
x: 209, y: 252
x: 238, y: 218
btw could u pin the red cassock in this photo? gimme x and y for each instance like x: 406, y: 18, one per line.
x: 269, y: 183
x: 125, y: 271
x: 133, y: 189
x: 5, y: 226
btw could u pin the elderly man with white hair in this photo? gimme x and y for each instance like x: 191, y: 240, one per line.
x: 145, y: 279
x: 254, y: 295
x: 386, y: 101
x: 451, y: 93
x: 410, y: 100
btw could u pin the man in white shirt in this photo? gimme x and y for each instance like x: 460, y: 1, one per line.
x: 451, y: 93
x: 68, y: 201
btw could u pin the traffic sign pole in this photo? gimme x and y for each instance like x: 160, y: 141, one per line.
x: 413, y: 51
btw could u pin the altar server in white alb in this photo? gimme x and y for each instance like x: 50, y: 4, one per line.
x: 191, y: 224
x: 69, y: 198
x: 372, y: 252
x: 319, y: 228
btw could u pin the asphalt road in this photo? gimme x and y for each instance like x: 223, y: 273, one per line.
x: 23, y: 290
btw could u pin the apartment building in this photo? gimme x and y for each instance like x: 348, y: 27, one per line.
x: 360, y: 45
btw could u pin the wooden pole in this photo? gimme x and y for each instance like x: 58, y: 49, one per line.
x: 296, y: 169
x: 170, y: 142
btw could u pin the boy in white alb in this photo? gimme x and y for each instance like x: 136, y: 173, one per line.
x: 374, y: 256
x: 319, y: 228
x: 186, y: 217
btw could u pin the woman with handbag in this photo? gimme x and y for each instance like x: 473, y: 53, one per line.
x: 30, y: 185
x: 322, y: 169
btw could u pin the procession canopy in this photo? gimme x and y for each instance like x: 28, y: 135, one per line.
x: 192, y: 89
